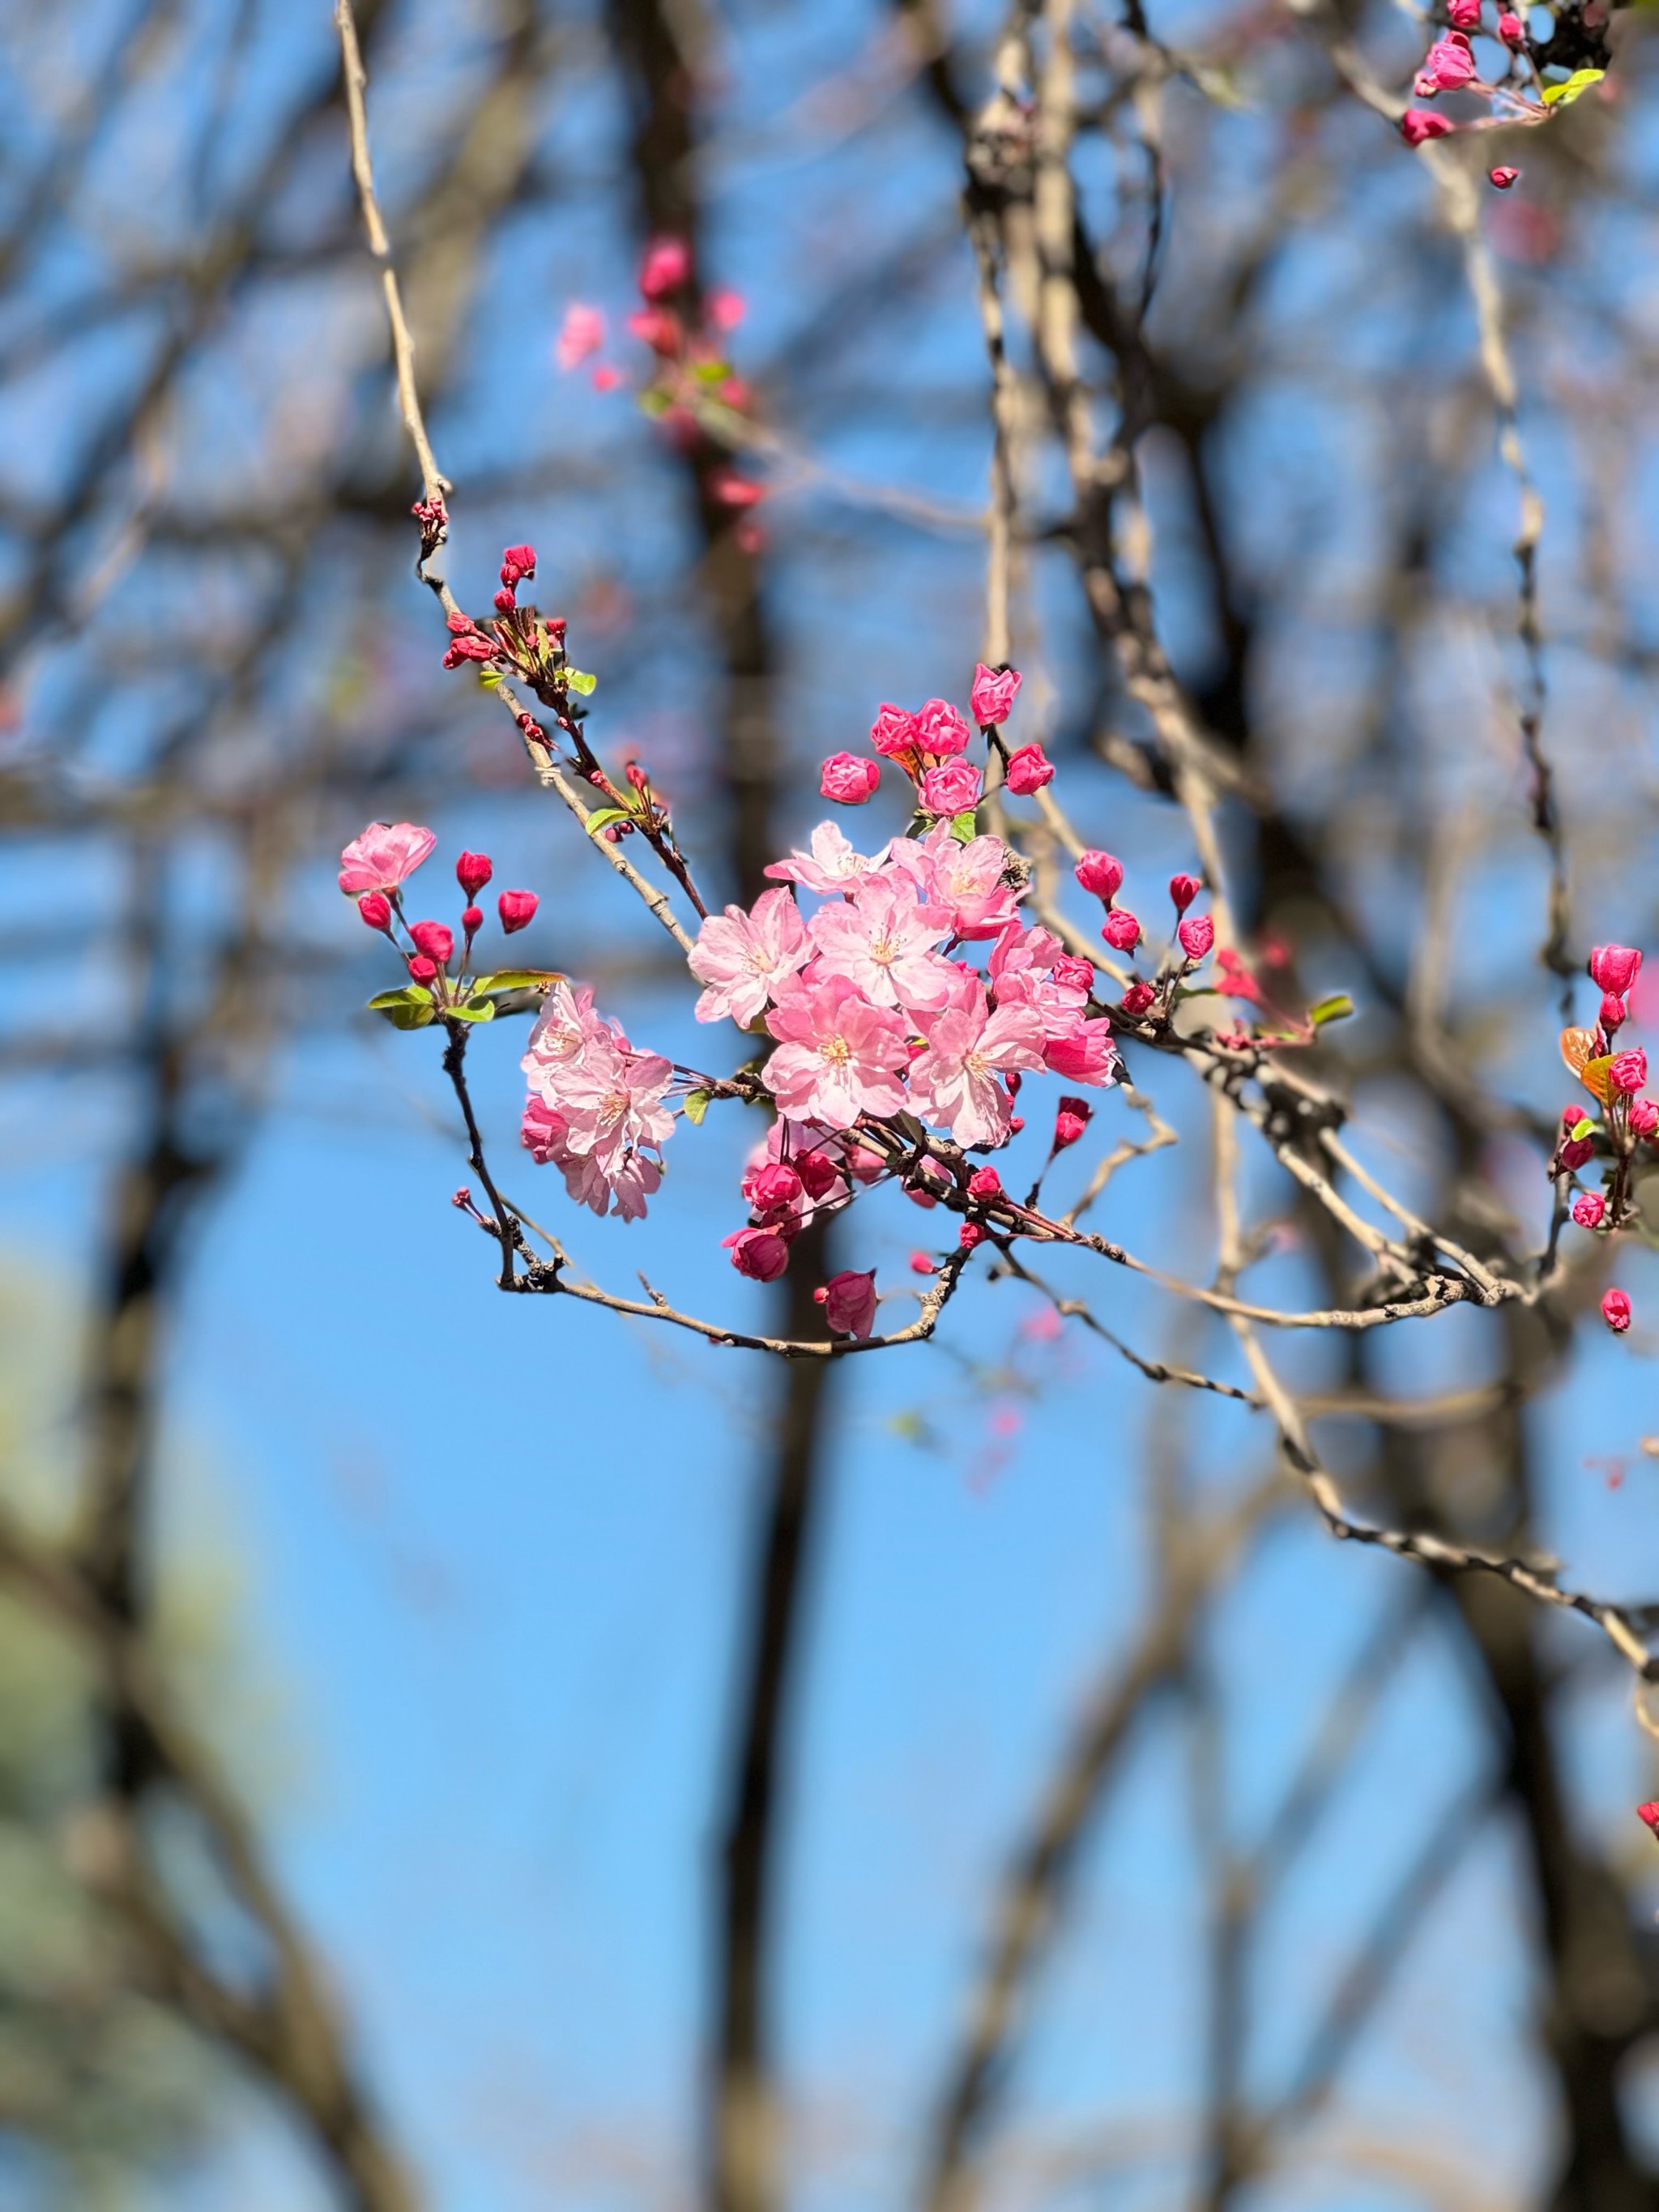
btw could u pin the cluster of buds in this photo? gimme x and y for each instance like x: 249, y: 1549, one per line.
x: 374, y: 868
x: 518, y: 640
x: 1615, y: 1080
x: 930, y: 746
x: 638, y: 808
x: 1520, y: 95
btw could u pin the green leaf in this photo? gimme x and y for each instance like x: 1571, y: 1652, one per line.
x: 412, y: 994
x: 475, y: 1010
x: 712, y: 372
x: 603, y: 816
x: 578, y: 680
x: 696, y: 1105
x: 489, y: 678
x: 1563, y: 95
x: 1336, y: 1008
x: 965, y: 828
x: 408, y: 1018
x: 1585, y: 1128
x: 517, y: 979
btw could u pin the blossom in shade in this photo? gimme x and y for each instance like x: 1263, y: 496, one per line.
x: 1643, y: 1117
x: 1028, y: 768
x: 760, y: 1254
x: 1612, y: 967
x: 848, y: 780
x: 994, y: 694
x: 472, y: 872
x: 1629, y: 1070
x: 743, y: 957
x: 1589, y: 1210
x: 970, y: 882
x: 580, y: 334
x: 664, y: 267
x: 378, y: 858
x: 831, y: 863
x: 885, y: 940
x: 848, y: 1300
x: 1197, y: 935
x: 1099, y: 873
x: 893, y: 731
x: 1615, y: 1311
x: 376, y: 910
x: 951, y: 789
x: 517, y: 910
x: 940, y: 729
x: 1122, y: 931
x: 838, y: 1055
x: 1502, y: 176
x: 1418, y: 124
x: 957, y: 1081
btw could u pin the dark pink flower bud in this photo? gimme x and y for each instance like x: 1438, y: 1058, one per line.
x: 760, y: 1254
x: 1571, y: 1116
x: 1611, y: 1012
x: 773, y: 1184
x: 921, y: 1264
x: 473, y: 871
x: 1502, y: 177
x: 727, y: 489
x: 893, y: 731
x: 969, y: 1234
x: 1576, y: 1151
x: 1417, y: 124
x: 1100, y: 874
x: 985, y: 1183
x: 1197, y: 935
x: 505, y: 602
x: 1615, y: 1311
x: 472, y: 647
x: 1511, y: 30
x: 951, y: 789
x: 1588, y: 1210
x: 848, y: 780
x: 471, y: 921
x: 1448, y: 65
x: 636, y: 775
x: 422, y: 971
x: 664, y: 267
x: 1073, y: 972
x: 518, y: 563
x: 434, y: 939
x: 1183, y: 890
x: 1016, y: 1124
x: 1122, y: 930
x: 1650, y: 1812
x: 1629, y: 1070
x: 660, y: 330
x: 940, y: 730
x: 1613, y: 967
x: 1464, y: 14
x: 1643, y: 1117
x: 1070, y: 1120
x: 818, y: 1172
x: 517, y: 910
x: 1028, y: 768
x: 848, y: 1300
x: 375, y: 908
x: 994, y: 691
x: 1138, y: 998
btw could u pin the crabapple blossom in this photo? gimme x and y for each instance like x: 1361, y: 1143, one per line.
x: 1643, y: 1118
x: 744, y: 957
x: 1122, y: 931
x: 1611, y: 1013
x: 1183, y: 890
x: 848, y: 780
x: 1502, y: 177
x: 991, y: 699
x: 884, y: 939
x: 893, y: 731
x: 939, y: 728
x: 380, y: 857
x: 1072, y: 1118
x: 376, y: 910
x: 1629, y: 1070
x: 1587, y: 1210
x: 422, y: 970
x: 1448, y: 66
x: 1029, y: 769
x: 837, y: 1056
x: 760, y: 1254
x: 1137, y: 998
x: 829, y: 863
x: 436, y: 942
x: 1418, y: 124
x: 951, y: 789
x: 957, y: 1081
x: 664, y: 267
x: 1510, y: 29
x: 971, y: 882
x: 1197, y: 935
x: 1464, y: 14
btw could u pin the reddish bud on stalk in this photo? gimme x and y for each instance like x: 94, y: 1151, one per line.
x: 1576, y: 1151
x: 1615, y: 1311
x: 1070, y: 1120
x: 1197, y: 935
x: 422, y: 969
x: 473, y: 871
x: 1643, y: 1117
x: 1122, y: 930
x: 992, y: 698
x: 760, y: 1254
x: 1502, y: 177
x: 818, y: 1172
x: 1589, y: 1210
x: 772, y: 1185
x: 1029, y: 769
x: 471, y: 921
x: 1611, y: 1012
x: 664, y: 267
x: 1613, y: 968
x: 518, y: 564
x: 1417, y: 124
x: 1100, y: 874
x: 376, y: 910
x: 1183, y: 890
x: 969, y: 1235
x: 434, y: 939
x: 1138, y: 1000
x: 951, y: 789
x: 921, y: 1264
x: 985, y: 1183
x: 848, y: 1300
x: 636, y: 775
x: 517, y: 910
x: 1463, y: 15
x: 848, y: 780
x: 1650, y: 1814
x: 1511, y: 30
x: 1629, y: 1070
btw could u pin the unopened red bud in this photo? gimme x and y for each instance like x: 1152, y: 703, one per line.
x: 1122, y: 930
x: 1629, y: 1070
x: 985, y: 1183
x: 1611, y: 1012
x: 1183, y: 890
x: 1512, y: 29
x: 1070, y: 1120
x: 473, y: 871
x: 1137, y: 1000
x: 636, y: 775
x: 1613, y: 967
x: 472, y: 920
x: 1197, y: 935
x: 1502, y: 177
x: 1100, y: 874
x: 921, y: 1264
x: 969, y: 1235
x: 1615, y: 1311
x: 1576, y: 1151
x: 1650, y: 1812
x: 1016, y: 1124
x: 434, y: 939
x: 375, y: 908
x: 517, y: 910
x: 1643, y: 1117
x: 818, y: 1172
x: 422, y: 970
x: 1588, y: 1210
x: 518, y: 562
x: 505, y: 602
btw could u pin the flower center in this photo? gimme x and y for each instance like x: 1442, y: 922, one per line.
x: 837, y: 1051
x: 884, y: 951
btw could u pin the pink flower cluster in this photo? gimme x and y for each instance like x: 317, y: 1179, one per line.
x: 929, y: 746
x: 873, y: 1013
x: 595, y: 1106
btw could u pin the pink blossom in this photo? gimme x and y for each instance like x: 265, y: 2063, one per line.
x: 580, y: 334
x: 1197, y: 935
x: 921, y: 1264
x: 994, y: 694
x: 848, y: 780
x: 1615, y: 1311
x: 1029, y: 769
x: 893, y: 731
x: 611, y: 1100
x: 566, y: 1026
x: 970, y: 881
x: 1417, y: 124
x: 940, y: 729
x: 1099, y: 873
x: 760, y: 1254
x: 1448, y: 66
x: 848, y: 1300
x: 1023, y: 973
x: 774, y: 1190
x: 1083, y: 1052
x: 1076, y: 973
x: 664, y: 267
x: 957, y: 1081
x: 542, y: 1131
x: 1629, y: 1070
x: 378, y: 858
x: 438, y: 942
x: 744, y: 958
x: 951, y: 789
x: 831, y: 864
x: 837, y: 1054
x: 1588, y: 1210
x: 884, y: 939
x: 1612, y: 967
